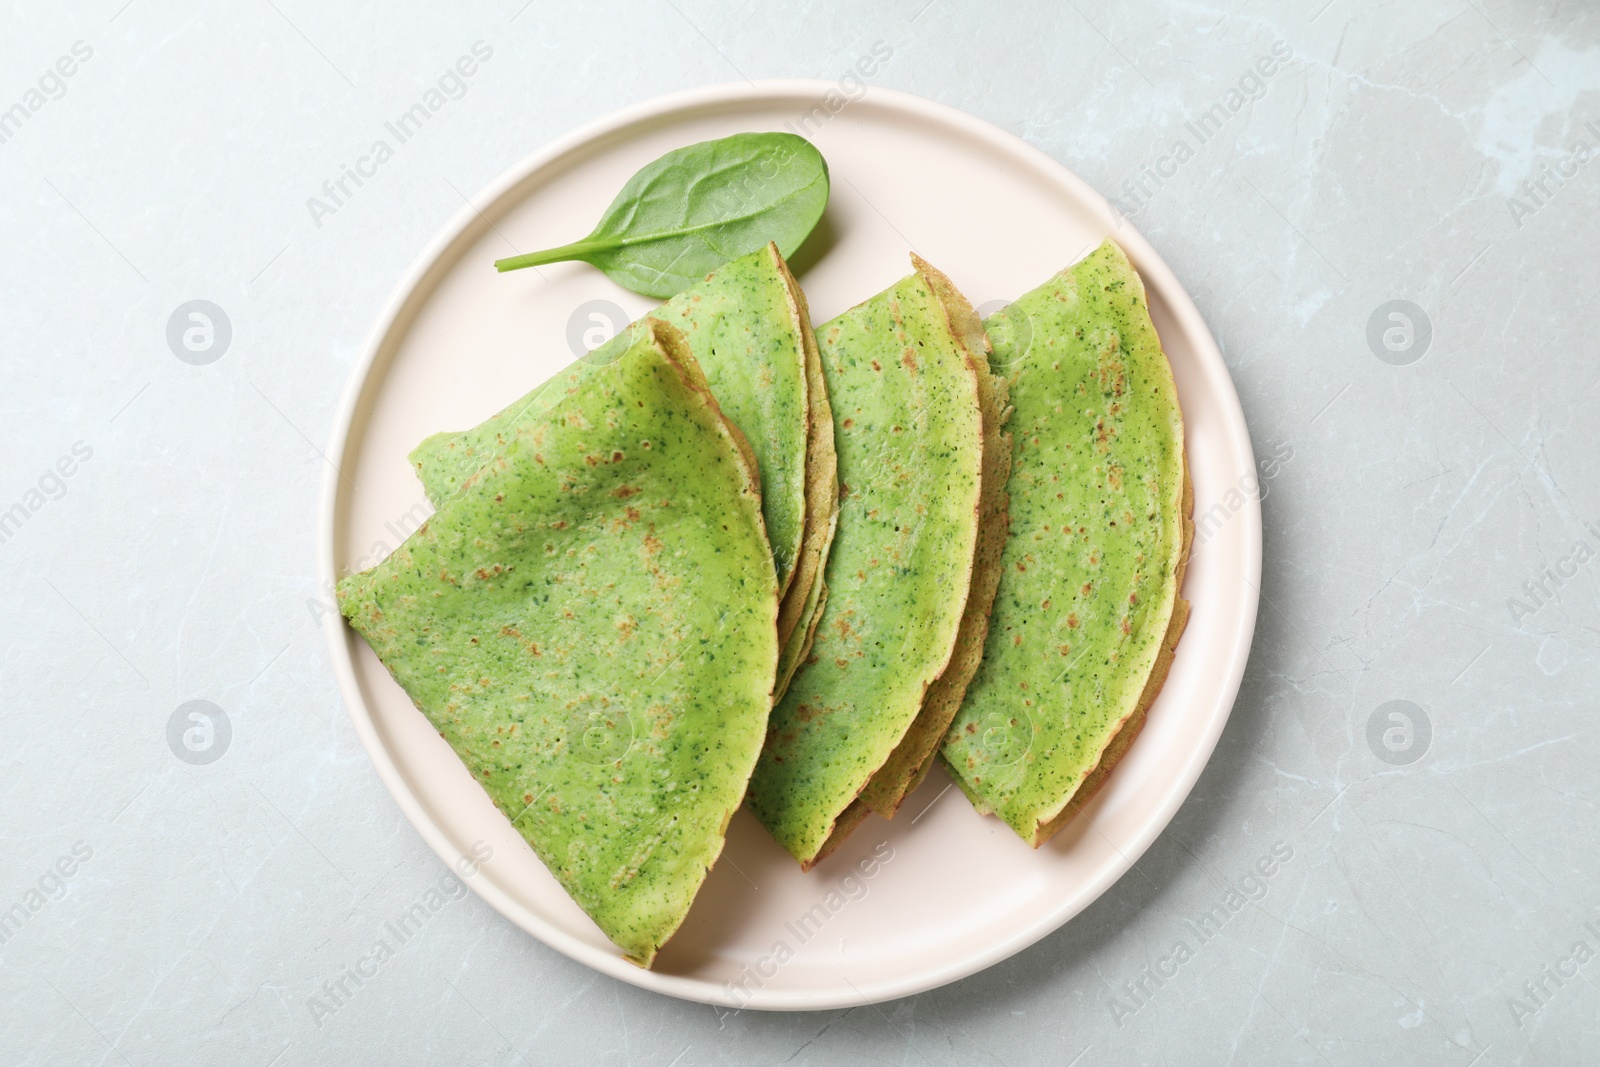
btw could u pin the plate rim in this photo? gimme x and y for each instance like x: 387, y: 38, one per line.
x: 341, y: 638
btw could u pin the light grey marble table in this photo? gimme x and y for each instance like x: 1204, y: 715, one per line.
x: 1431, y: 502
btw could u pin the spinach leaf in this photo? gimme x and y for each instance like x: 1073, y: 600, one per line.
x: 697, y: 207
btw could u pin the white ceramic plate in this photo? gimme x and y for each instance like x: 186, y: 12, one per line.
x: 951, y: 892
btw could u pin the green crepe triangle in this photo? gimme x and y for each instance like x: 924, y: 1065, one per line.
x: 1088, y: 611
x: 590, y: 621
x: 909, y: 434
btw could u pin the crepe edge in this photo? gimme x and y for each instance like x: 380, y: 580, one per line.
x: 799, y: 646
x: 801, y: 603
x: 854, y: 814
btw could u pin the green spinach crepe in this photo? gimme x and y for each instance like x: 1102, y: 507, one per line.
x: 591, y: 622
x: 914, y: 756
x: 749, y: 329
x: 909, y: 432
x: 1088, y: 612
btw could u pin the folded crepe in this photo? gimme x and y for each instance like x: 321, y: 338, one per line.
x: 1088, y: 612
x: 590, y: 621
x: 748, y: 327
x: 914, y: 756
x: 903, y: 381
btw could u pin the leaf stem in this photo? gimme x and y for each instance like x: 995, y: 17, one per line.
x: 575, y: 250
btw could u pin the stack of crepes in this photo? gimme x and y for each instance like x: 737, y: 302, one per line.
x: 728, y: 559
